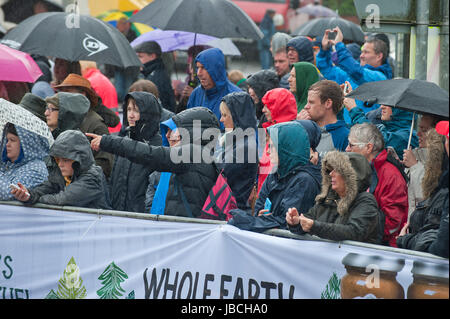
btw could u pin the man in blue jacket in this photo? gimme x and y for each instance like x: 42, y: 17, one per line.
x: 373, y: 65
x: 214, y: 83
x: 324, y: 102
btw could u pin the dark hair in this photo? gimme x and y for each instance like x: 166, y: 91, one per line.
x: 144, y: 85
x: 379, y: 46
x: 10, y: 129
x: 149, y: 47
x: 329, y: 90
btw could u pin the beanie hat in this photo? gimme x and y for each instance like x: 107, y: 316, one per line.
x: 34, y: 104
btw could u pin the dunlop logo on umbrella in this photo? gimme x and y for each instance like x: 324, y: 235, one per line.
x: 93, y: 45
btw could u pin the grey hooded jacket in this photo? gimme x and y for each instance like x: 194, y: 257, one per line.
x: 88, y: 187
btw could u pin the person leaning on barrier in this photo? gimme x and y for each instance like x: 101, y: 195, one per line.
x: 81, y: 182
x: 22, y: 159
x: 292, y: 183
x: 194, y: 173
x: 344, y: 210
x: 128, y: 181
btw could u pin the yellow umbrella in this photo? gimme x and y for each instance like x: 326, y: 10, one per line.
x: 113, y: 16
x: 96, y: 7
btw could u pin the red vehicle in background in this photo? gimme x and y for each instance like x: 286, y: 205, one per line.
x: 285, y: 10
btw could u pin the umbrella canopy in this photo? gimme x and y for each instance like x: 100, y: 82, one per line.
x: 17, y: 115
x: 113, y: 16
x: 317, y: 11
x: 316, y: 27
x: 219, y: 18
x: 17, y: 66
x: 73, y: 38
x: 170, y: 40
x: 18, y: 10
x: 412, y: 95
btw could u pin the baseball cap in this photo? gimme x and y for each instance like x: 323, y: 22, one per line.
x: 442, y: 128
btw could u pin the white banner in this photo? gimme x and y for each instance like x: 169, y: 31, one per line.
x: 59, y: 254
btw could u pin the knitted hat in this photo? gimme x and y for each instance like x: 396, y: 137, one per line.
x: 148, y: 47
x: 34, y: 104
x: 75, y: 80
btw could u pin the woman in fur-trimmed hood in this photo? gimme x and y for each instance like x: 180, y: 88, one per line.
x: 343, y: 211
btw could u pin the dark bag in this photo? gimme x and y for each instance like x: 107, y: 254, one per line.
x: 399, y: 165
x: 220, y: 201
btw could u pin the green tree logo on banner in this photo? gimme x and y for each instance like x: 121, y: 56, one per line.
x: 333, y: 288
x: 70, y: 286
x: 111, y: 278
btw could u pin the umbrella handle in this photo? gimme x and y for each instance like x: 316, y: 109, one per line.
x: 411, y: 131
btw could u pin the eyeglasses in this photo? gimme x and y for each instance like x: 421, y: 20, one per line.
x: 351, y: 145
x: 51, y: 109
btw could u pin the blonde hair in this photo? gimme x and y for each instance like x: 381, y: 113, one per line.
x: 85, y: 65
x: 225, y: 109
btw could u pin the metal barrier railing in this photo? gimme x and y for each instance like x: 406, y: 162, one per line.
x: 167, y: 218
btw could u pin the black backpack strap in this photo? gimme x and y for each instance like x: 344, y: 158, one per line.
x: 391, y: 159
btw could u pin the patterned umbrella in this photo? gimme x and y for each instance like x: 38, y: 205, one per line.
x: 17, y: 115
x: 113, y: 16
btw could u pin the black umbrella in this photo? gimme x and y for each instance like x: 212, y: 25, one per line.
x: 219, y: 18
x: 417, y: 96
x: 316, y: 10
x: 412, y: 95
x: 18, y: 10
x: 316, y: 27
x: 72, y: 37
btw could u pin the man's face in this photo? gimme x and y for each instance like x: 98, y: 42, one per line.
x: 314, y: 107
x: 205, y: 79
x: 123, y: 26
x: 60, y: 69
x: 65, y: 166
x: 386, y: 113
x: 292, y: 55
x: 368, y: 56
x: 281, y: 63
x: 145, y: 57
x: 292, y: 81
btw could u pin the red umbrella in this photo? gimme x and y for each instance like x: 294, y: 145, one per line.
x: 17, y: 66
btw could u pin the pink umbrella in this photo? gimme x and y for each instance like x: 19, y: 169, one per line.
x: 17, y: 66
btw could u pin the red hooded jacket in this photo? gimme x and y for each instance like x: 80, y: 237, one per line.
x: 391, y: 193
